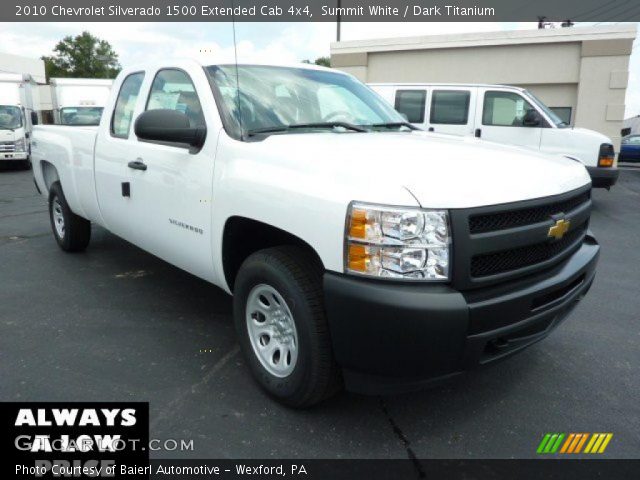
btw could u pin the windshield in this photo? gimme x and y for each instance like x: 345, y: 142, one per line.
x: 10, y: 117
x: 279, y: 97
x: 550, y: 113
x: 80, y: 115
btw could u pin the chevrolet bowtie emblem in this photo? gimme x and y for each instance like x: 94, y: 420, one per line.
x: 558, y: 230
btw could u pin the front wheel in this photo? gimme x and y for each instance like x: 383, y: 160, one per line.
x: 70, y: 231
x: 282, y: 328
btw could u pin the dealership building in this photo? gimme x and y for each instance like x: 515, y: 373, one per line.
x: 581, y: 72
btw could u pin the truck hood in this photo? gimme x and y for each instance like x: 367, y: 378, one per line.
x: 586, y: 134
x: 439, y: 171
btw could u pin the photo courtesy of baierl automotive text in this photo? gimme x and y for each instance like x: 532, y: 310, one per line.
x: 331, y: 240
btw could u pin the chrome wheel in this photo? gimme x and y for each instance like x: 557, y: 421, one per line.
x: 58, y: 217
x: 272, y: 331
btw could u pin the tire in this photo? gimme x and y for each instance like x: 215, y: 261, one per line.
x: 289, y: 278
x: 70, y: 231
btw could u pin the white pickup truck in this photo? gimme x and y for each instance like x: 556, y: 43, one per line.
x: 360, y: 251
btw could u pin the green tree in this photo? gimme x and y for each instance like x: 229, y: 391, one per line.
x: 83, y: 56
x: 324, y: 61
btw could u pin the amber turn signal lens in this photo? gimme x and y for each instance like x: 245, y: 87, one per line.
x: 358, y: 224
x: 358, y: 258
x: 605, y: 162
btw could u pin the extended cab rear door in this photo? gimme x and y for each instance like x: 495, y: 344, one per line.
x: 114, y: 144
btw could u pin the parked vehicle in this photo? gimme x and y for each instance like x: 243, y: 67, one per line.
x: 18, y: 113
x: 502, y: 114
x: 630, y: 149
x: 358, y: 250
x: 79, y: 101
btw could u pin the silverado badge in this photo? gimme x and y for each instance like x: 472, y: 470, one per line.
x: 558, y: 230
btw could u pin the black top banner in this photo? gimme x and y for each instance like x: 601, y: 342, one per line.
x: 320, y: 10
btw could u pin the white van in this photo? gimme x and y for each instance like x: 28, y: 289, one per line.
x: 502, y: 114
x: 79, y: 101
x: 19, y: 107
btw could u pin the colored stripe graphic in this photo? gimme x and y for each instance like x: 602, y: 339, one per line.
x: 598, y: 443
x: 573, y: 443
x: 565, y: 447
x: 581, y: 442
x: 557, y: 444
x: 543, y: 443
x: 550, y: 443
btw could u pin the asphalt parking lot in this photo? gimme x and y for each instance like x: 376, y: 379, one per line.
x: 117, y: 324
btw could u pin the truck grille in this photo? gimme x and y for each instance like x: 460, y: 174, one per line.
x: 504, y: 242
x: 7, y: 147
x: 525, y: 216
x: 515, y: 258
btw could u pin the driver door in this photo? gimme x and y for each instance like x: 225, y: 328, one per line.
x: 171, y: 185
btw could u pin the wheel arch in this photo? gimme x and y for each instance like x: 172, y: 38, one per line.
x: 50, y: 174
x: 243, y: 236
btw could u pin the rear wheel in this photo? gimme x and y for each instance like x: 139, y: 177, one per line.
x: 282, y: 328
x: 70, y: 231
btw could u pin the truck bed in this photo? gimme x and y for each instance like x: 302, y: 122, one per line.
x: 71, y: 150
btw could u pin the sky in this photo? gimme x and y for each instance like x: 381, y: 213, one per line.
x: 278, y: 42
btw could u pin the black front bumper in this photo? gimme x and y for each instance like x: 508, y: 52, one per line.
x: 391, y: 338
x: 603, y: 177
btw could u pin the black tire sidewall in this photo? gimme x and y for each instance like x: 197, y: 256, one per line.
x: 291, y: 388
x: 56, y: 192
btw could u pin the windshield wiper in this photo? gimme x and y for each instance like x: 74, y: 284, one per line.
x: 296, y: 126
x: 394, y: 125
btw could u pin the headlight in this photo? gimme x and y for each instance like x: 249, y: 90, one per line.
x: 401, y: 243
x: 20, y: 145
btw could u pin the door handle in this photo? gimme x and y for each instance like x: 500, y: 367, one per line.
x: 478, y: 133
x: 431, y: 129
x: 137, y: 165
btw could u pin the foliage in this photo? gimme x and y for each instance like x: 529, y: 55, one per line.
x: 324, y: 61
x: 84, y: 56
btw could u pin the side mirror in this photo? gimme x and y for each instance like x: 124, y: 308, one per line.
x: 169, y: 126
x: 531, y: 119
x: 34, y: 118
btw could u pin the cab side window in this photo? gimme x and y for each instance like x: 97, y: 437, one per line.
x: 173, y: 90
x: 450, y: 107
x: 411, y: 103
x: 125, y: 104
x: 504, y: 109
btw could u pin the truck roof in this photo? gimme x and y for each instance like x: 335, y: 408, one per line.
x: 214, y: 61
x: 405, y: 84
